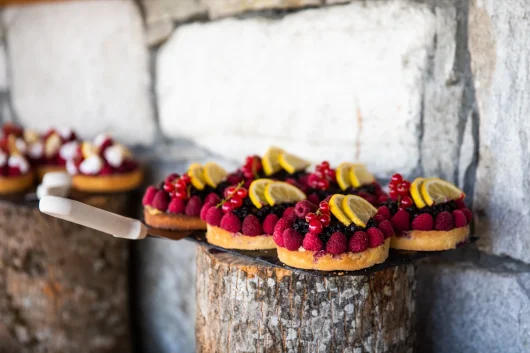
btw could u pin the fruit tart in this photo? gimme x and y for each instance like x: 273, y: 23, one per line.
x: 428, y: 214
x: 341, y: 233
x: 275, y: 164
x: 104, y: 166
x: 347, y: 179
x: 49, y: 152
x: 245, y: 219
x: 16, y: 174
x: 176, y: 203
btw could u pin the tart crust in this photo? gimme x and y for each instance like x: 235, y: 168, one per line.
x: 108, y: 183
x: 432, y: 240
x: 225, y: 239
x: 345, y: 262
x: 164, y: 220
x: 47, y: 169
x: 16, y: 184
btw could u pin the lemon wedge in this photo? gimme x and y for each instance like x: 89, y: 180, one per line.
x: 281, y: 192
x: 256, y: 192
x: 343, y: 175
x: 213, y: 174
x: 292, y: 163
x: 435, y: 191
x: 358, y: 209
x: 335, y: 207
x: 196, y: 174
x: 359, y: 175
x: 270, y: 160
x: 415, y: 192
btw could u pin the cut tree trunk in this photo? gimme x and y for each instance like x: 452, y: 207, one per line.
x: 246, y: 306
x: 63, y: 287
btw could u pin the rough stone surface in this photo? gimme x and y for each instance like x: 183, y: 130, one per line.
x: 90, y: 77
x: 302, y: 83
x: 171, y: 10
x: 501, y: 68
x: 3, y: 68
x: 218, y: 8
x: 245, y: 306
x: 472, y: 310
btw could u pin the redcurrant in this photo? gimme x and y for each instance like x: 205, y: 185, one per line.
x: 324, y: 219
x: 393, y: 194
x: 406, y: 202
x: 397, y: 178
x: 186, y: 178
x: 310, y: 217
x: 325, y: 165
x: 330, y: 173
x: 227, y: 207
x: 182, y: 195
x: 323, y: 184
x: 242, y: 193
x: 402, y: 190
x: 236, y: 201
x: 315, y: 227
x: 323, y: 205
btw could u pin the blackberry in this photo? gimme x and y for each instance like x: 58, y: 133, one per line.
x: 371, y: 223
x: 221, y: 188
x: 247, y: 202
x: 263, y: 212
x: 242, y: 212
x: 354, y: 228
x: 301, y: 226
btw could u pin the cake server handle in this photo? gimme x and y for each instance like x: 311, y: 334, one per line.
x: 92, y: 217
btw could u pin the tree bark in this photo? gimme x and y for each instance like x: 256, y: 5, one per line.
x: 63, y: 287
x: 245, y: 306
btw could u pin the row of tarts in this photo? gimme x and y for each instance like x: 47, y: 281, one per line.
x: 326, y: 219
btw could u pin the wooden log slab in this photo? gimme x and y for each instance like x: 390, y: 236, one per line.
x: 63, y: 287
x: 246, y: 306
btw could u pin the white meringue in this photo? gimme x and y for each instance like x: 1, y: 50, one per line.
x: 91, y: 165
x: 17, y: 161
x: 68, y: 150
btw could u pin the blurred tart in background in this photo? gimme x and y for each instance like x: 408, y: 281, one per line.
x: 16, y: 174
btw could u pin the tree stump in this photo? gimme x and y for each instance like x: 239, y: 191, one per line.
x: 245, y: 306
x: 63, y: 287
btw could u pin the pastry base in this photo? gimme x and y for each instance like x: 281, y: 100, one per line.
x: 20, y: 183
x: 345, y: 262
x: 108, y: 183
x: 432, y: 240
x: 47, y: 169
x: 164, y: 220
x: 225, y: 239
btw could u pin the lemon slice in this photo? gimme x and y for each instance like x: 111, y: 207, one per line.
x: 359, y: 175
x: 292, y: 163
x: 270, y: 160
x: 415, y: 192
x: 281, y: 192
x: 358, y: 209
x: 194, y: 165
x: 335, y: 207
x: 343, y: 175
x: 256, y: 192
x: 197, y: 177
x: 435, y: 191
x: 213, y: 174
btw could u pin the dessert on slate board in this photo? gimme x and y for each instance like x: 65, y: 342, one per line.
x: 341, y: 233
x: 50, y: 151
x: 428, y: 214
x: 347, y: 178
x: 104, y: 166
x: 245, y: 219
x: 176, y: 203
x: 16, y: 174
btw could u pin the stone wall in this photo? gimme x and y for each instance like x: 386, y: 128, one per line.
x: 425, y: 87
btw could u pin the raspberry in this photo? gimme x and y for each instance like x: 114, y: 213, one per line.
x: 386, y: 228
x: 176, y: 206
x: 231, y: 223
x: 289, y: 213
x: 283, y: 224
x: 379, y: 218
x: 161, y: 200
x: 269, y: 222
x: 385, y: 212
x: 460, y: 204
x: 313, y: 198
x: 205, y: 209
x: 251, y: 226
x: 278, y: 238
x: 171, y: 177
x: 468, y: 214
x: 312, y: 242
x: 213, y: 216
x: 423, y: 221
x: 460, y: 218
x: 149, y: 195
x: 337, y: 243
x: 292, y: 240
x: 400, y: 221
x: 375, y: 237
x: 193, y: 208
x: 358, y: 242
x: 212, y: 198
x: 302, y: 208
x: 444, y: 221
